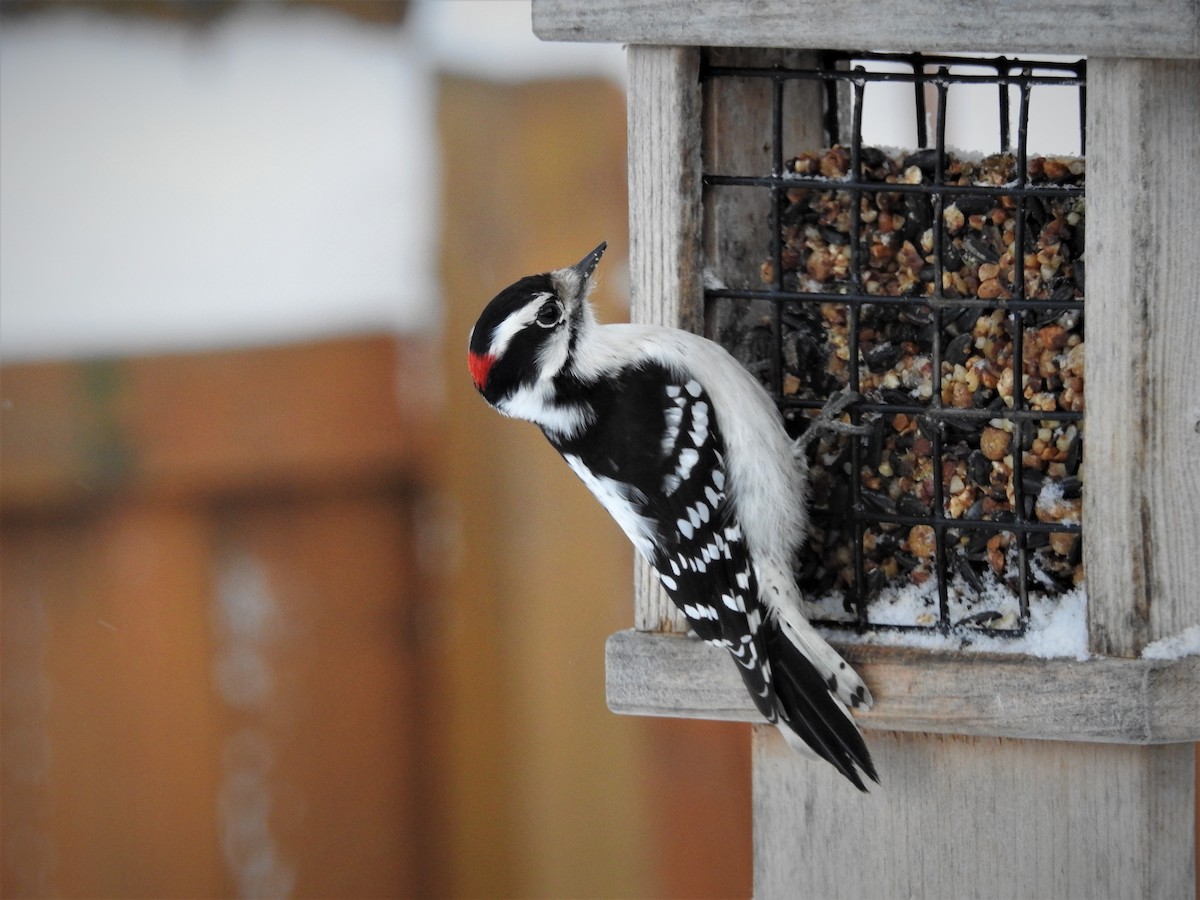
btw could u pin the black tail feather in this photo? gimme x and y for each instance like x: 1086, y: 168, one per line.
x: 813, y: 713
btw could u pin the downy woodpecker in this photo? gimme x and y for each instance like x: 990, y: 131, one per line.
x: 689, y: 454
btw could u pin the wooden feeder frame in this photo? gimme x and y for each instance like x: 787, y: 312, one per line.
x: 1108, y: 808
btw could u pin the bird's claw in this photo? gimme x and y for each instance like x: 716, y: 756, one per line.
x: 826, y: 421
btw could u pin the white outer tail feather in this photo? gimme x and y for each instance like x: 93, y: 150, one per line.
x: 796, y: 742
x: 782, y: 597
x: 827, y: 660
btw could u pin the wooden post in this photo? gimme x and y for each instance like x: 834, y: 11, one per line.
x: 1143, y: 389
x: 665, y: 277
x: 977, y: 817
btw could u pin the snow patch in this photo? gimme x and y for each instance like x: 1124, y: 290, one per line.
x: 1057, y: 624
x: 1177, y: 646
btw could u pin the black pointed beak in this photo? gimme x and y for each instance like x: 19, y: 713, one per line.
x: 587, y: 265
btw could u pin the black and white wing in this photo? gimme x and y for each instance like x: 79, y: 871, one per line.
x: 702, y: 558
x: 672, y: 499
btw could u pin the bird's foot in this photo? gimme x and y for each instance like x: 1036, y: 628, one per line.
x: 826, y: 421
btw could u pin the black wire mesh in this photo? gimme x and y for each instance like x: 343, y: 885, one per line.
x: 946, y: 291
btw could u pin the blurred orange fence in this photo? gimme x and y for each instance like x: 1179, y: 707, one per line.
x: 209, y: 590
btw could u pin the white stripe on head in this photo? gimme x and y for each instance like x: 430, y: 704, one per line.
x: 516, y: 323
x: 553, y: 353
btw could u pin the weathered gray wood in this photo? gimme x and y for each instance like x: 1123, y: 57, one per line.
x: 1142, y: 503
x: 739, y: 139
x: 1148, y: 28
x: 977, y: 818
x: 666, y: 283
x: 1105, y: 700
x: 665, y: 185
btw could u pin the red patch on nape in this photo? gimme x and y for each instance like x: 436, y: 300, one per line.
x: 480, y: 364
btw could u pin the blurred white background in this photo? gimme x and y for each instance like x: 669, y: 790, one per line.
x: 268, y: 176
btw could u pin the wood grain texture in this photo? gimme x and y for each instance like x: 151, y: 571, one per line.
x: 977, y: 818
x: 1102, y: 700
x: 665, y: 275
x: 1159, y: 28
x: 1142, y: 502
x: 739, y: 140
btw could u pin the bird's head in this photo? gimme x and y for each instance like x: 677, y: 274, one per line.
x: 527, y: 334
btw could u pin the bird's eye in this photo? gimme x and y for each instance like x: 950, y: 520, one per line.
x: 549, y: 315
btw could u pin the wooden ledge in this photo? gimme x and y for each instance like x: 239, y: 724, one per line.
x: 1125, y: 701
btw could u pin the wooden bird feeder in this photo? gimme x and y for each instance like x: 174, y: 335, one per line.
x: 985, y: 501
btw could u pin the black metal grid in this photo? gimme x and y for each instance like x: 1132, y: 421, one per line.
x: 845, y: 76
